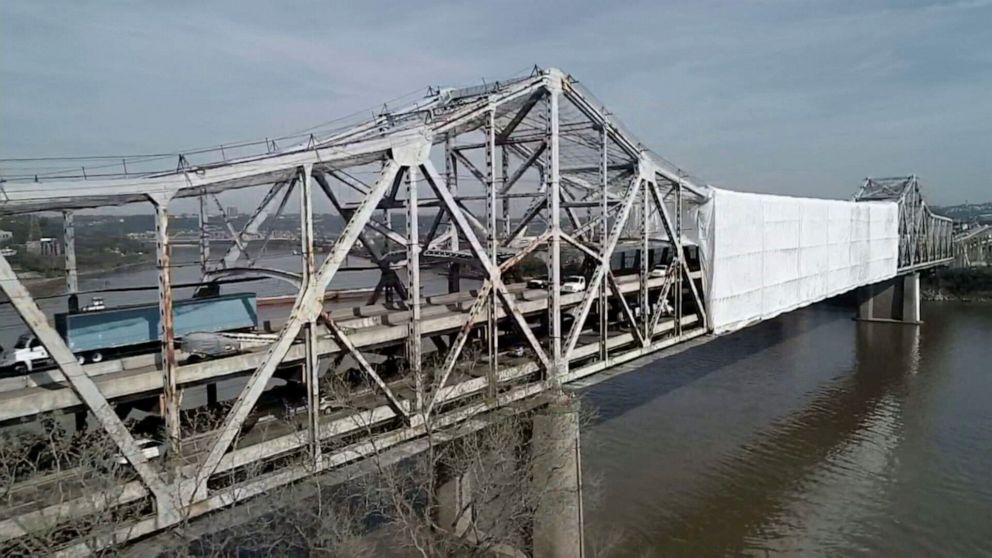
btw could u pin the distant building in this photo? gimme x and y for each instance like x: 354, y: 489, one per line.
x: 147, y: 236
x: 44, y: 247
x: 232, y: 212
x: 6, y: 236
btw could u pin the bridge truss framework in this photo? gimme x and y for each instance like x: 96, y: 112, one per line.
x: 925, y: 238
x: 592, y: 188
x: 973, y: 247
x: 529, y: 167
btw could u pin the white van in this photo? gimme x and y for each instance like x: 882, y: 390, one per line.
x: 573, y: 284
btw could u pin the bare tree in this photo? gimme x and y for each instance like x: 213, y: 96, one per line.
x: 468, y: 488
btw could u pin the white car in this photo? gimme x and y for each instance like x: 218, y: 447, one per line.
x: 151, y: 449
x: 658, y: 271
x: 573, y: 284
x: 324, y: 405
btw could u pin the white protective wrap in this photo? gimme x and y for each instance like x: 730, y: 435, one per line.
x: 766, y: 255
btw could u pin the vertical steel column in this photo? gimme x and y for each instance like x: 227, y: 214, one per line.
x: 86, y: 389
x: 491, y: 224
x: 504, y: 176
x: 69, y: 251
x: 604, y: 353
x: 204, y: 237
x: 170, y: 396
x: 451, y: 181
x: 414, y: 348
x: 682, y: 265
x: 71, y: 284
x: 645, y: 318
x: 554, y: 207
x: 384, y: 216
x: 307, y: 307
x: 310, y: 361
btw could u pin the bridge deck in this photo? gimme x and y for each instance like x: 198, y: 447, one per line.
x: 43, y: 392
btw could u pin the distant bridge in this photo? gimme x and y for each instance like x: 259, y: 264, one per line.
x: 925, y: 239
x: 973, y: 247
x: 496, y: 161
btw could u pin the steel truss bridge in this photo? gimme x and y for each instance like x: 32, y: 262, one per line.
x: 973, y: 247
x: 532, y: 167
x: 925, y: 239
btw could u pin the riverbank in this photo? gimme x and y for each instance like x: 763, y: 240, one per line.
x: 959, y: 284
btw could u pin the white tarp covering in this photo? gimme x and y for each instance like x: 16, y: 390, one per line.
x: 766, y: 255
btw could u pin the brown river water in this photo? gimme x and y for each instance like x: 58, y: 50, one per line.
x: 808, y: 435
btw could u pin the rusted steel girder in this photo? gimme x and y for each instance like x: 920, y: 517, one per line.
x: 604, y: 265
x: 387, y: 278
x: 493, y: 273
x: 675, y: 233
x: 414, y: 341
x: 310, y: 360
x: 491, y: 181
x: 170, y: 398
x: 309, y: 303
x: 258, y: 217
x: 553, y: 177
x: 69, y: 252
x: 87, y: 391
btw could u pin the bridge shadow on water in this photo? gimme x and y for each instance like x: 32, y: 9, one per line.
x: 665, y: 374
x: 733, y: 504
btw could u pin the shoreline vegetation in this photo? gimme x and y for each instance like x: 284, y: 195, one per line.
x: 43, y: 284
x: 959, y: 284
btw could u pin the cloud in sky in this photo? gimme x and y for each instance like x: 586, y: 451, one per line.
x: 802, y: 98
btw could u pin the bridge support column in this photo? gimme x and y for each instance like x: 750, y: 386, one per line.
x: 453, y: 500
x: 866, y: 302
x: 555, y: 446
x: 911, y: 298
x: 895, y: 300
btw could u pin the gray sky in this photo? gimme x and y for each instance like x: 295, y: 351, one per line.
x: 802, y: 98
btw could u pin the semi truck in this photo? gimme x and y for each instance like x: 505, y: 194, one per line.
x: 97, y: 334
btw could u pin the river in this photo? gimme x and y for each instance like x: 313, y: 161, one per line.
x: 810, y: 434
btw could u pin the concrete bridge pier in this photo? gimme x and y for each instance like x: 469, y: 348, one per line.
x: 453, y: 498
x: 558, y: 524
x: 895, y: 300
x: 554, y: 469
